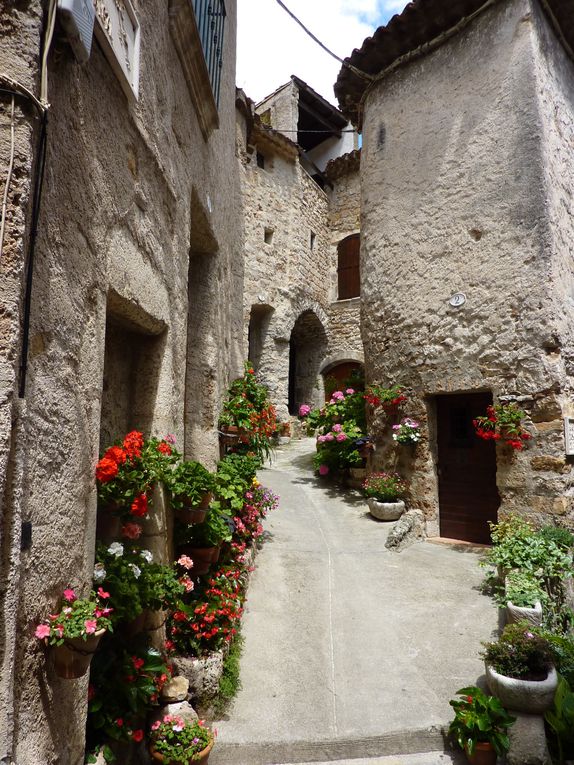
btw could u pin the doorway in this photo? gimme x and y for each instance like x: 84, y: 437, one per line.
x: 468, y: 495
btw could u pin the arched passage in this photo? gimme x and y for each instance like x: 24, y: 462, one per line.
x: 307, y: 349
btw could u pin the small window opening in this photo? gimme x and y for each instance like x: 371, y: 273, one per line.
x: 312, y: 240
x: 348, y: 270
x: 260, y: 160
x: 268, y: 235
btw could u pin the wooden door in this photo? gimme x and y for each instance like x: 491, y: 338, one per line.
x: 468, y: 496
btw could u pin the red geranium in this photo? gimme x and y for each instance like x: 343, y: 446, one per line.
x: 139, y: 505
x: 106, y: 469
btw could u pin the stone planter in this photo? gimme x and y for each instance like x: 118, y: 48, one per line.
x: 72, y: 658
x: 523, y: 613
x: 386, y: 511
x: 530, y: 696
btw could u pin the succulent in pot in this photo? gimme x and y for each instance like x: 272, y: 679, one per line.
x: 520, y: 668
x: 480, y: 725
x: 384, y: 492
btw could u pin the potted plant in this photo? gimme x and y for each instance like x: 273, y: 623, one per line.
x: 520, y: 669
x: 480, y: 726
x: 407, y: 431
x: 384, y: 492
x: 524, y: 597
x: 191, y: 486
x: 503, y: 422
x: 175, y: 741
x: 74, y: 632
x: 388, y: 398
x: 202, y: 543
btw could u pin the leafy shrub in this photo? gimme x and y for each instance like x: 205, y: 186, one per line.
x: 523, y: 590
x: 521, y: 652
x: 561, y: 537
x: 189, y: 483
x: 560, y: 719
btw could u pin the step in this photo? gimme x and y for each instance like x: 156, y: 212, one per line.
x: 402, y: 748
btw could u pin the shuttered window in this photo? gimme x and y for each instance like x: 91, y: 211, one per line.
x: 210, y: 17
x: 348, y: 269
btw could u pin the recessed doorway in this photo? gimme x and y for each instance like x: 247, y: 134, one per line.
x: 468, y: 495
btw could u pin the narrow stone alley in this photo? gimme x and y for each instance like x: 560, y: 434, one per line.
x: 351, y: 651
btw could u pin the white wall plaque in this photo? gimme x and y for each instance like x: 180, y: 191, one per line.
x: 569, y: 436
x: 458, y: 299
x: 118, y: 32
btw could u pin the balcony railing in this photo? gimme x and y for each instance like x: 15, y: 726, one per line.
x: 210, y: 18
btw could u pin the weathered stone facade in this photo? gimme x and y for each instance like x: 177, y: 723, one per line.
x: 467, y: 186
x: 297, y: 329
x: 136, y: 319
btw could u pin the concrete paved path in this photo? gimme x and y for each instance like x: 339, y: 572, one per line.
x: 351, y: 651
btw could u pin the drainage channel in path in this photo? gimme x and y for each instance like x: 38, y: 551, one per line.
x: 351, y: 651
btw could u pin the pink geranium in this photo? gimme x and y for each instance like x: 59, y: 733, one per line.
x: 323, y: 470
x: 185, y: 561
x: 337, y: 428
x: 341, y: 437
x: 349, y: 391
x: 42, y: 631
x: 69, y: 595
x: 304, y: 410
x: 131, y: 530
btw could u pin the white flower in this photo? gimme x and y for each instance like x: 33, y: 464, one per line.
x: 147, y: 555
x: 137, y: 571
x: 99, y: 572
x: 117, y: 549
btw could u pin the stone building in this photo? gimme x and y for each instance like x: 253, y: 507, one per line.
x: 300, y: 191
x: 120, y: 302
x: 467, y: 227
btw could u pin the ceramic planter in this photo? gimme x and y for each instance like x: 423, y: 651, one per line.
x: 484, y: 754
x: 72, y: 658
x: 386, y: 511
x: 530, y: 696
x: 523, y: 613
x: 201, y: 759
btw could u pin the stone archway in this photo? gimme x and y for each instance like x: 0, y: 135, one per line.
x: 307, y: 349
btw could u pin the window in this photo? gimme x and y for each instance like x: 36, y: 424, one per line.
x: 348, y: 267
x: 260, y: 160
x: 268, y: 236
x: 312, y: 240
x: 210, y: 17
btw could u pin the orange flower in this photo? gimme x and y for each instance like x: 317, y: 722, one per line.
x: 117, y: 454
x: 133, y: 444
x: 139, y: 505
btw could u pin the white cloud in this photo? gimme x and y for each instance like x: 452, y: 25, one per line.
x: 271, y: 46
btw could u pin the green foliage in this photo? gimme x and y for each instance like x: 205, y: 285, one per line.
x: 523, y: 590
x: 230, y: 682
x: 337, y: 449
x: 124, y: 687
x: 78, y: 618
x: 134, y: 582
x: 563, y: 647
x: 561, y: 537
x: 189, y: 483
x: 479, y: 718
x: 522, y: 652
x: 215, y: 529
x: 384, y: 487
x: 235, y: 474
x: 560, y: 719
x: 180, y: 741
x: 517, y: 545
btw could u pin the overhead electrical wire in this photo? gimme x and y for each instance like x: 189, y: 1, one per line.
x: 346, y: 64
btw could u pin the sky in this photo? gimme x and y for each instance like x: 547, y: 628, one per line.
x: 271, y: 46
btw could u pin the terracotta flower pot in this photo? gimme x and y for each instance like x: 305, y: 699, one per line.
x: 484, y: 754
x: 72, y: 658
x: 193, y: 514
x: 386, y: 511
x: 202, y: 557
x: 202, y: 758
x: 531, y: 696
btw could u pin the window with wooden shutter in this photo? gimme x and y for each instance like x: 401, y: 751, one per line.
x: 348, y: 269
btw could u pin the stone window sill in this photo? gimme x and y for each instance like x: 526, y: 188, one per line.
x: 347, y: 302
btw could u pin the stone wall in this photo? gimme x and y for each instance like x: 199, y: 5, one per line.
x: 295, y: 272
x: 137, y: 285
x: 455, y: 198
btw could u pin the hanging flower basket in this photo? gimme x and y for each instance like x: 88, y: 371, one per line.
x: 72, y: 659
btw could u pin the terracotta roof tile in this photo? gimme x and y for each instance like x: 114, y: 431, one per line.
x: 422, y: 21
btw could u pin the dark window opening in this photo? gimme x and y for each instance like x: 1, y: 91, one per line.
x: 348, y: 267
x: 312, y: 240
x: 268, y: 235
x: 260, y: 160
